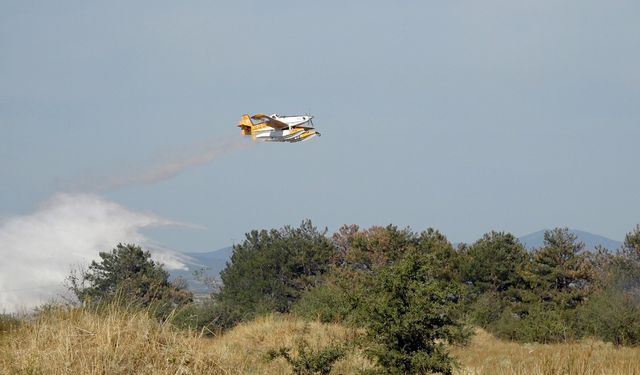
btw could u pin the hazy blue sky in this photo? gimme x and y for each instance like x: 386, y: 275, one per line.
x: 465, y: 116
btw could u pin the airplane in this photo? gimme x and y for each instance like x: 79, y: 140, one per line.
x: 276, y: 128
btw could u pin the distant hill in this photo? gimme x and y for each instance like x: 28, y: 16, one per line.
x: 591, y: 241
x: 212, y: 262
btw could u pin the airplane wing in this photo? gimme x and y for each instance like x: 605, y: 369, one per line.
x: 270, y: 121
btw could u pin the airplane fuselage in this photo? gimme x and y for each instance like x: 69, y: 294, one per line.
x: 276, y: 128
x: 293, y: 120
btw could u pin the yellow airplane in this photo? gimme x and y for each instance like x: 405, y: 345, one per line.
x: 276, y: 128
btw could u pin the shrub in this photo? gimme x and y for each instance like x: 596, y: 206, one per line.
x: 209, y: 317
x: 309, y: 362
x: 409, y: 316
x: 542, y: 323
x: 613, y: 315
x: 327, y: 303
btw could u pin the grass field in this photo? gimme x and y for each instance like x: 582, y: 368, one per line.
x: 81, y: 341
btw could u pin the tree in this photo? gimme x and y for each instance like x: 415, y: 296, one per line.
x: 130, y: 272
x: 632, y: 242
x: 270, y: 269
x: 495, y: 268
x: 373, y: 248
x: 410, y: 315
x: 360, y: 255
x: 543, y: 307
x: 562, y: 271
x: 496, y: 262
x: 445, y: 259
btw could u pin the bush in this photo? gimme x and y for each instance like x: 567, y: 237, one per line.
x: 487, y: 309
x: 309, y: 362
x: 542, y: 323
x: 613, y: 315
x: 209, y: 317
x: 409, y: 316
x: 326, y: 303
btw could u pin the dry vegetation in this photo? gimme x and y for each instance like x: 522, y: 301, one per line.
x: 81, y: 341
x: 488, y: 355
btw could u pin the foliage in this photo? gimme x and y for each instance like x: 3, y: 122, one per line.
x: 309, y: 362
x: 613, y: 315
x: 327, y: 303
x: 210, y: 317
x: 371, y: 249
x: 632, y: 242
x: 496, y: 263
x: 561, y: 268
x: 409, y: 315
x: 128, y: 273
x: 613, y: 312
x: 270, y: 270
x: 531, y: 298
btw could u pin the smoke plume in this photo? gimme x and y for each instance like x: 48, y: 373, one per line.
x: 40, y: 249
x: 171, y: 164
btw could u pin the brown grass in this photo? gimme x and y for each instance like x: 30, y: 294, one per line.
x: 488, y: 355
x: 116, y: 341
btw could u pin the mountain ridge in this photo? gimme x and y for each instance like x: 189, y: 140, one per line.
x: 591, y: 240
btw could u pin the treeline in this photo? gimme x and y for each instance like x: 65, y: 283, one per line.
x: 412, y: 292
x: 557, y: 292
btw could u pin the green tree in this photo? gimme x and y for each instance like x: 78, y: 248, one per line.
x: 129, y: 272
x: 562, y: 270
x: 445, y: 259
x: 495, y: 263
x: 543, y: 308
x: 410, y: 314
x: 271, y: 269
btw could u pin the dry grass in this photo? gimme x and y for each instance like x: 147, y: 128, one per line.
x: 81, y: 341
x: 488, y: 355
x: 242, y: 349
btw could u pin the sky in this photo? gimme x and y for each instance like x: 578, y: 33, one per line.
x: 464, y: 116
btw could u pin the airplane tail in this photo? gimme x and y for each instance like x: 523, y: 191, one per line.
x: 245, y: 125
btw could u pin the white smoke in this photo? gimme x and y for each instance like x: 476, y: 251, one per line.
x: 38, y: 250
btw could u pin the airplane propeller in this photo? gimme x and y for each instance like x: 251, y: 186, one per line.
x: 310, y: 118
